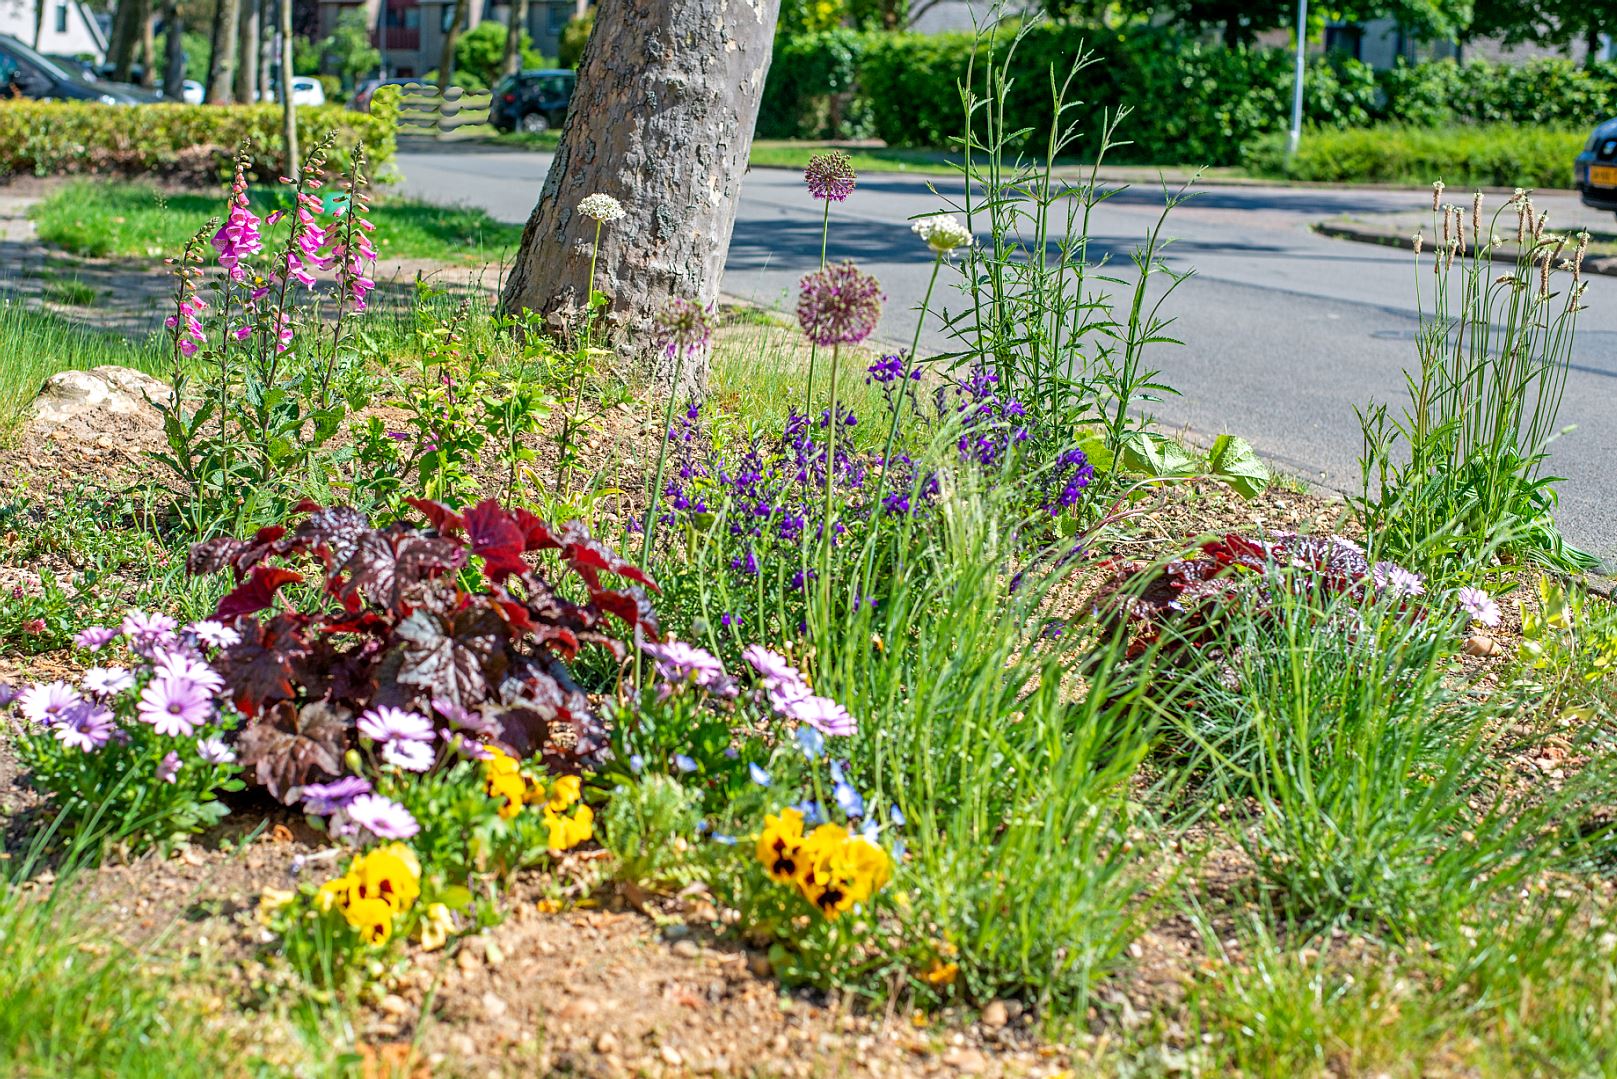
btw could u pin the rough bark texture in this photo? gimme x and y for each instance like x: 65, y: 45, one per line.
x: 249, y: 29
x: 224, y: 62
x: 662, y: 120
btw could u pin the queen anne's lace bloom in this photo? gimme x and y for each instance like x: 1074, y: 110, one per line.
x: 603, y: 208
x: 943, y: 233
x: 838, y: 305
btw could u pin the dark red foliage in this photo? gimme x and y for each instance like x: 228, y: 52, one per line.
x: 1189, y: 596
x: 453, y: 620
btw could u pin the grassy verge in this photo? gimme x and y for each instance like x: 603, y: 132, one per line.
x: 133, y: 220
x: 34, y: 345
x: 1488, y: 155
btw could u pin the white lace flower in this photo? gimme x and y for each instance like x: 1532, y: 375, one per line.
x: 603, y: 208
x: 942, y: 233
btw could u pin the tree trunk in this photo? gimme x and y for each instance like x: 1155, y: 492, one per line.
x: 289, y: 112
x: 661, y: 120
x: 39, y: 21
x: 225, y: 56
x: 513, y: 37
x: 173, y: 52
x: 126, y: 23
x: 249, y: 26
x: 148, y: 46
x: 446, y: 59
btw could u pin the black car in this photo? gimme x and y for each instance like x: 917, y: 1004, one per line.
x: 25, y: 73
x: 1595, y: 172
x: 532, y: 101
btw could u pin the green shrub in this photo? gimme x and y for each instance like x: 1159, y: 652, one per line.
x: 811, y: 92
x: 1492, y: 155
x: 56, y: 138
x: 574, y: 36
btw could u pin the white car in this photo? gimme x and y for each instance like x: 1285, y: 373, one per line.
x: 191, y: 92
x: 305, y: 91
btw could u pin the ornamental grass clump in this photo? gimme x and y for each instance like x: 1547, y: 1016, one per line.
x: 140, y: 748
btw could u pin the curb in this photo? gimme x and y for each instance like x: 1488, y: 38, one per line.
x: 1385, y: 237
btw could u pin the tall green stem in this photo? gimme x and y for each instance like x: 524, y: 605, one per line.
x: 662, y: 459
x: 825, y: 234
x: 829, y: 526
x: 564, y: 465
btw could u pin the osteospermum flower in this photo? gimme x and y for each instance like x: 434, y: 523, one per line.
x: 168, y: 769
x: 183, y: 666
x: 95, y: 638
x: 1399, y: 581
x: 685, y: 663
x: 382, y: 817
x: 107, y: 681
x: 86, y: 726
x: 838, y: 305
x: 324, y: 799
x: 771, y: 665
x: 943, y: 233
x: 411, y: 756
x: 821, y: 713
x: 603, y: 208
x: 830, y: 176
x: 215, y: 751
x: 48, y: 702
x: 1479, y: 605
x: 175, y: 706
x: 682, y: 326
x: 389, y: 724
x: 148, y: 632
x: 214, y: 634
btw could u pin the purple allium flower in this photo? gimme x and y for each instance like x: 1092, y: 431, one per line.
x: 95, y: 638
x: 175, y: 706
x: 1479, y: 605
x: 685, y: 663
x: 383, y: 817
x: 215, y: 751
x: 838, y: 305
x: 682, y: 326
x: 1401, y: 582
x: 214, y: 634
x: 324, y: 799
x: 830, y: 176
x: 107, y: 681
x: 409, y: 755
x: 85, y: 726
x: 389, y: 724
x: 168, y: 769
x: 47, y: 702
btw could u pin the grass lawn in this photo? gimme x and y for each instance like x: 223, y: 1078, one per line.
x: 34, y: 345
x: 134, y: 220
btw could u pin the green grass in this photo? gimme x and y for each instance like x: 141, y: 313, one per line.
x: 135, y: 220
x: 35, y: 345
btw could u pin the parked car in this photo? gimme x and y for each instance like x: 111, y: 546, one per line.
x: 306, y: 90
x: 1595, y: 172
x: 191, y: 92
x: 361, y: 101
x: 532, y: 101
x: 26, y: 73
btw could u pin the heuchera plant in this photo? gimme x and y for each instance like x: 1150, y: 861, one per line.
x: 451, y: 621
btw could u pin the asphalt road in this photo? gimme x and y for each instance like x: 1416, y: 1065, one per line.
x: 1284, y: 331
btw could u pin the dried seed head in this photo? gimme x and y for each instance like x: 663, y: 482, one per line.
x: 1419, y: 239
x: 1437, y: 194
x: 1476, y: 214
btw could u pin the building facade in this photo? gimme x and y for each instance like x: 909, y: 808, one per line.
x: 68, y: 28
x: 410, y: 33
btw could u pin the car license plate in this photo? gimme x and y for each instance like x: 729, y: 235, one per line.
x: 1603, y: 175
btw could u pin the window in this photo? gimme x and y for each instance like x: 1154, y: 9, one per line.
x: 61, y: 18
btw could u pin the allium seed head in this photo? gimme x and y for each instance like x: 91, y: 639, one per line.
x: 683, y: 326
x: 830, y: 176
x: 838, y: 305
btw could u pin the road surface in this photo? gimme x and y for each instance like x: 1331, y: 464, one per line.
x: 1285, y: 331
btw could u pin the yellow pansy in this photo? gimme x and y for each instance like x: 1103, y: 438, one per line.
x: 334, y: 893
x: 391, y: 874
x: 840, y: 870
x: 373, y: 918
x: 508, y: 789
x: 568, y: 832
x: 272, y: 901
x: 780, y: 845
x: 436, y: 927
x: 563, y: 793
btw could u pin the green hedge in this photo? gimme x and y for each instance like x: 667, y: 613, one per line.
x: 1193, y: 102
x: 179, y: 141
x: 1485, y: 155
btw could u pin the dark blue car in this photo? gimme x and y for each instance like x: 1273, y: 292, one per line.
x: 532, y: 101
x: 1595, y: 173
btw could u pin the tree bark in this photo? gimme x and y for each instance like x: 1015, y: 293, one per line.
x: 446, y: 59
x: 662, y: 120
x: 249, y: 25
x: 148, y: 46
x: 173, y: 52
x: 225, y: 55
x: 513, y: 37
x: 39, y: 21
x: 126, y: 23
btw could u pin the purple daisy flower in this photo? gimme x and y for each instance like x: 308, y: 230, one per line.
x: 324, y: 799
x: 148, y: 630
x: 182, y: 666
x: 1479, y: 605
x: 213, y: 634
x: 409, y: 755
x: 821, y: 713
x: 107, y: 681
x: 1401, y: 582
x: 681, y: 662
x: 771, y: 665
x: 48, y: 702
x: 389, y: 724
x: 383, y: 817
x: 86, y: 726
x: 95, y: 638
x: 169, y: 767
x: 175, y: 706
x: 215, y: 751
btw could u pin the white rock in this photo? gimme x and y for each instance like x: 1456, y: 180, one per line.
x: 80, y: 396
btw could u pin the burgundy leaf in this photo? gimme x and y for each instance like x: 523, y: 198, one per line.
x: 287, y: 747
x: 536, y: 535
x: 332, y: 534
x: 497, y: 539
x: 444, y: 519
x: 259, y: 668
x: 255, y: 593
x: 587, y: 555
x: 456, y: 662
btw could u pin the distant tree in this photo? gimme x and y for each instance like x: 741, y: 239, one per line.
x: 446, y: 58
x: 1554, y: 24
x: 516, y: 45
x: 1239, y: 22
x: 480, y: 52
x: 574, y: 36
x: 347, y: 51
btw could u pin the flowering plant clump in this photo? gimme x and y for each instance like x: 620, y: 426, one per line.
x: 832, y: 868
x: 450, y: 627
x: 943, y: 233
x: 140, y: 743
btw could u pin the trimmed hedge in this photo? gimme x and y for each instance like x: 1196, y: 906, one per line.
x: 1193, y: 102
x: 1485, y: 155
x: 43, y: 138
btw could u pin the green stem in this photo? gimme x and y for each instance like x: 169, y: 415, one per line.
x: 564, y: 465
x: 830, y: 473
x: 662, y: 460
x: 825, y: 234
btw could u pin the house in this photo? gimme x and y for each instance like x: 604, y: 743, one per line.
x: 1382, y: 43
x: 68, y: 29
x: 410, y: 33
